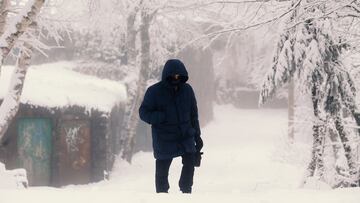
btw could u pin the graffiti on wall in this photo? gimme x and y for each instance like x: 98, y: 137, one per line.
x: 73, y: 138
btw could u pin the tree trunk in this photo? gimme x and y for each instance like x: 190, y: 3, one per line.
x: 11, y: 102
x: 291, y: 111
x: 357, y: 119
x: 130, y: 60
x: 348, y: 151
x: 141, y: 85
x: 342, y: 172
x: 316, y: 164
x: 320, y: 139
x: 10, y: 105
x: 131, y: 38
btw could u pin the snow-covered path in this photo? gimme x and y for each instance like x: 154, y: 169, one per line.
x: 239, y: 157
x: 242, y: 163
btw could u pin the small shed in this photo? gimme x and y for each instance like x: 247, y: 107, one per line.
x: 67, y: 128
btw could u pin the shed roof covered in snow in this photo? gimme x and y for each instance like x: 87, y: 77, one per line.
x: 56, y: 85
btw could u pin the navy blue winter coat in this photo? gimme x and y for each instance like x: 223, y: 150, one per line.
x: 173, y: 115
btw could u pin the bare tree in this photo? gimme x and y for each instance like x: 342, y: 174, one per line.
x: 145, y: 61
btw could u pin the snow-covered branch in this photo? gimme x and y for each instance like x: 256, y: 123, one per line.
x: 23, y: 21
x: 17, y: 28
x: 203, y: 4
x: 242, y: 28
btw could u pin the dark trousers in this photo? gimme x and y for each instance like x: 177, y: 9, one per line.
x: 186, y: 178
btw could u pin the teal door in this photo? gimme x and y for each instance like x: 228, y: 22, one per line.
x: 34, y: 148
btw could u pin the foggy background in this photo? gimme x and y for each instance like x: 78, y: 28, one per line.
x: 276, y: 83
x: 228, y: 68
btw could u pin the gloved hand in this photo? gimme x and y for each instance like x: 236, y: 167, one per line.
x: 198, y: 143
x: 197, y: 161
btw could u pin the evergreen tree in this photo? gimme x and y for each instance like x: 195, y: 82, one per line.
x: 309, y: 52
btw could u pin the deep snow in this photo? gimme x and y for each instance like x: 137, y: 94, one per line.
x: 247, y: 159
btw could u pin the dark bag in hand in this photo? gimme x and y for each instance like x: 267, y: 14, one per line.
x: 198, y: 159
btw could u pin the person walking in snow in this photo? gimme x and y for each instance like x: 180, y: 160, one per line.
x: 170, y: 107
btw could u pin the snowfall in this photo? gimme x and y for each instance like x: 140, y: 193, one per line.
x: 247, y: 158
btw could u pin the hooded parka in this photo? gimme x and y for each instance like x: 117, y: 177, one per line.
x: 172, y: 113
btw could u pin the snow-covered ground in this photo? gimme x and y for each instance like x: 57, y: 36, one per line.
x: 246, y: 160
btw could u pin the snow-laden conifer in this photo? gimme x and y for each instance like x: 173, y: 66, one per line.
x: 315, y: 64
